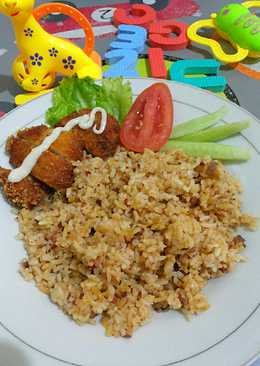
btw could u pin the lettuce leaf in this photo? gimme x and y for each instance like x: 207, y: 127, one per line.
x: 73, y: 94
x: 120, y: 96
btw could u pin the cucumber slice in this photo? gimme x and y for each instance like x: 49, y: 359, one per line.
x: 197, y: 124
x: 216, y: 133
x: 209, y: 149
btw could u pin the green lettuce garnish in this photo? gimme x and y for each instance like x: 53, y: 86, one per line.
x: 73, y: 94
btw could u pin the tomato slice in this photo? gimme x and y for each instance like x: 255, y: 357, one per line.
x: 149, y: 122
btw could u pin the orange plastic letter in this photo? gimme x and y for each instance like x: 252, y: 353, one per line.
x: 139, y: 14
x: 159, y: 35
x: 156, y: 63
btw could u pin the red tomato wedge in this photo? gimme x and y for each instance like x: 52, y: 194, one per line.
x: 149, y: 122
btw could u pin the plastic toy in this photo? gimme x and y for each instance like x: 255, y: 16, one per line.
x: 180, y: 69
x: 139, y: 14
x: 42, y: 55
x: 236, y: 24
x: 156, y: 63
x: 101, y: 16
x: 122, y: 63
x: 130, y: 37
x: 139, y: 17
x: 159, y: 35
x: 124, y: 51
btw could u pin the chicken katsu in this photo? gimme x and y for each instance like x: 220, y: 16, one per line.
x: 27, y: 193
x: 54, y: 168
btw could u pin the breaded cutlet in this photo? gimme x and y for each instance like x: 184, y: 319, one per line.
x: 27, y: 193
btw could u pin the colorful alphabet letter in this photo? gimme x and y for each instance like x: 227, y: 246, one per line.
x: 139, y: 14
x: 124, y: 51
x: 180, y: 69
x: 122, y: 63
x: 156, y: 63
x: 130, y: 37
x: 159, y: 35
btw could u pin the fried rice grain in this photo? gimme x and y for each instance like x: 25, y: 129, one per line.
x: 135, y: 233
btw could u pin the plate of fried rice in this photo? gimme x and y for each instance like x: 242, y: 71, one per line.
x: 148, y: 259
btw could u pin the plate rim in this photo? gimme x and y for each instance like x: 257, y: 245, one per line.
x: 208, y: 92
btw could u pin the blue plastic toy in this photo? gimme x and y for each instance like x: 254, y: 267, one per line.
x: 122, y: 62
x: 130, y: 37
x: 180, y: 69
x: 124, y: 51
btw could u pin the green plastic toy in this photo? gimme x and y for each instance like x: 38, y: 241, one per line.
x: 236, y: 24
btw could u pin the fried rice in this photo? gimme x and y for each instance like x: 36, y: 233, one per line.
x: 135, y: 233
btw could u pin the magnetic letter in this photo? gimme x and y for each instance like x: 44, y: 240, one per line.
x: 130, y: 37
x: 156, y: 63
x: 180, y: 69
x: 123, y: 63
x: 159, y: 35
x: 139, y: 14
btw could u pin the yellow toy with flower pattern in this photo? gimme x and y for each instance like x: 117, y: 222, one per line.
x: 43, y: 55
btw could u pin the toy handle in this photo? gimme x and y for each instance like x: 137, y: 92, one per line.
x: 73, y: 13
x: 251, y: 4
x: 214, y: 45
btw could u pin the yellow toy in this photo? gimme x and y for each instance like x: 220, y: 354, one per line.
x: 236, y: 24
x: 43, y: 55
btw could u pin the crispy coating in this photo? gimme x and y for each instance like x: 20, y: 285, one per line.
x: 54, y: 167
x: 18, y: 149
x: 103, y: 145
x: 27, y: 193
x: 68, y: 144
x: 34, y: 135
x: 51, y: 169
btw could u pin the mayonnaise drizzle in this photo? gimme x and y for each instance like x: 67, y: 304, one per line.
x: 86, y: 121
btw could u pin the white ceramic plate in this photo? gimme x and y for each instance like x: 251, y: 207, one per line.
x: 34, y: 332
